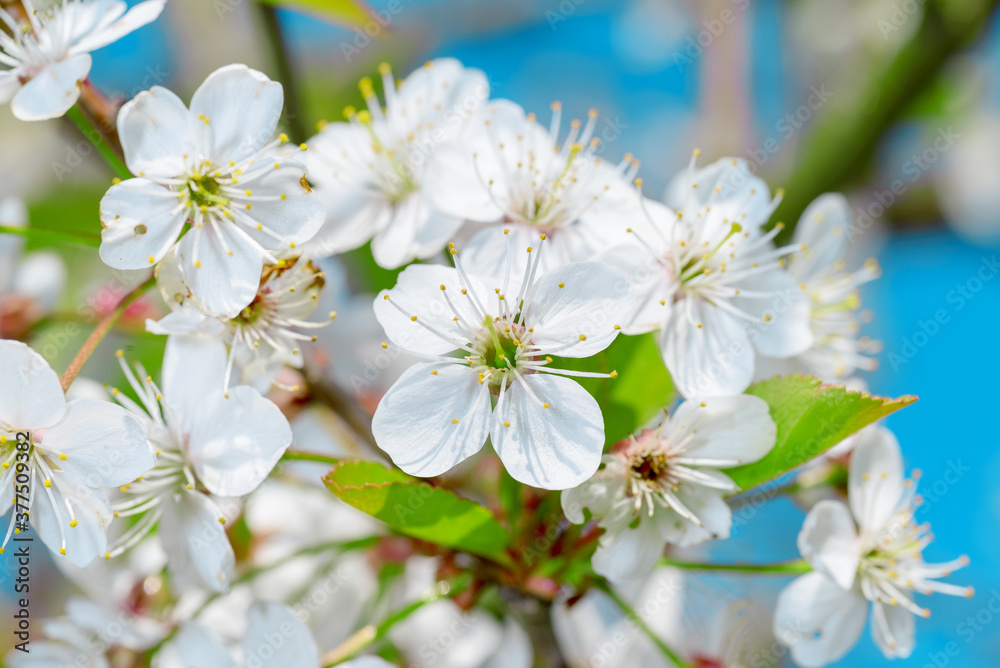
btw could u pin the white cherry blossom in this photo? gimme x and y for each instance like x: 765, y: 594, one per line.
x: 546, y: 428
x: 207, y: 442
x: 665, y: 485
x: 837, y: 351
x: 370, y: 169
x: 866, y: 551
x: 707, y: 276
x: 49, y: 54
x: 57, y: 456
x: 211, y: 167
x: 506, y: 168
x: 265, y: 335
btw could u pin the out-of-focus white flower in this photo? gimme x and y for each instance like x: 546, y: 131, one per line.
x: 707, y: 276
x: 85, y: 635
x: 29, y: 285
x: 442, y: 635
x: 56, y: 456
x: 593, y: 631
x: 546, y: 428
x: 49, y: 56
x: 506, y: 168
x: 206, y: 441
x: 822, y: 236
x: 370, y: 170
x: 211, y: 166
x: 350, y: 353
x: 274, y: 638
x: 871, y: 551
x: 264, y: 336
x: 966, y: 184
x: 665, y: 486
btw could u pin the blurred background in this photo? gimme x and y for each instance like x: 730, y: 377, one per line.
x: 896, y: 103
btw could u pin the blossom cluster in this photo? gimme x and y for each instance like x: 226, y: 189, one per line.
x: 523, y: 255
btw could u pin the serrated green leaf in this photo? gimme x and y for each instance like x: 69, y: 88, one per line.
x: 642, y: 389
x: 419, y: 510
x: 348, y: 13
x: 811, y: 418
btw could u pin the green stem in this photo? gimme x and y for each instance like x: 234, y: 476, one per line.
x: 53, y: 236
x: 286, y: 73
x: 303, y: 456
x: 624, y: 606
x: 370, y: 634
x: 780, y: 568
x: 97, y: 139
x: 102, y: 329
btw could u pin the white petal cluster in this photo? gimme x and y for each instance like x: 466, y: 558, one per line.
x: 665, y: 485
x: 867, y: 551
x: 48, y: 53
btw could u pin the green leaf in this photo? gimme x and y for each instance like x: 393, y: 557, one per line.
x: 350, y: 13
x: 642, y: 389
x: 811, y: 417
x: 419, y: 510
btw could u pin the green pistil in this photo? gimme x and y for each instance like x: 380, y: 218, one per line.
x: 503, y: 351
x: 205, y: 191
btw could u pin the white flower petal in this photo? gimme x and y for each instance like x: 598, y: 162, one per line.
x: 10, y: 83
x: 414, y: 422
x: 579, y: 303
x: 85, y: 541
x: 135, y: 18
x: 453, y: 185
x: 296, y: 218
x: 141, y: 223
x: 237, y: 441
x: 715, y: 359
x: 819, y: 621
x: 186, y: 320
x: 41, y: 276
x: 414, y: 231
x: 51, y: 92
x: 196, y: 543
x: 417, y: 292
x: 225, y: 273
x: 193, y: 371
x: 823, y: 229
x: 156, y: 131
x: 552, y: 448
x: 597, y: 494
x: 652, y: 286
x: 339, y: 161
x: 897, y: 637
x: 195, y: 647
x: 243, y: 108
x: 741, y: 193
x: 104, y: 444
x: 875, y: 482
x: 275, y: 638
x: 735, y: 427
x: 829, y: 542
x: 30, y: 394
x: 708, y: 505
x: 630, y: 554
x: 782, y: 327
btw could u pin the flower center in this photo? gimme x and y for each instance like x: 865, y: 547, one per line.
x: 498, y: 350
x: 204, y: 191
